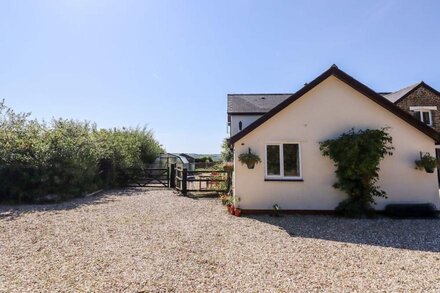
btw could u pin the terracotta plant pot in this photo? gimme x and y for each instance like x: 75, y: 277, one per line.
x: 237, y: 212
x: 231, y: 209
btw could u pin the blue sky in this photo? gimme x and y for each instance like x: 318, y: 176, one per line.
x: 170, y: 64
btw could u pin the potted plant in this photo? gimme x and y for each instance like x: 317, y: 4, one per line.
x: 427, y: 162
x: 249, y: 159
x: 230, y: 205
x: 225, y: 199
x: 231, y: 209
x: 237, y: 212
x: 276, y: 210
x: 237, y: 209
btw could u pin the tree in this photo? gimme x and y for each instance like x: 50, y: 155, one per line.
x: 227, y: 154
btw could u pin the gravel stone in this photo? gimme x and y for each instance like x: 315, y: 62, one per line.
x: 141, y: 240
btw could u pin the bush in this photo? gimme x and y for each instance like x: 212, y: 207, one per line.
x: 65, y: 157
x: 426, y: 210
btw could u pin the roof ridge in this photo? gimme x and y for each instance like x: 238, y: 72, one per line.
x: 407, y: 87
x: 262, y: 94
x: 355, y: 84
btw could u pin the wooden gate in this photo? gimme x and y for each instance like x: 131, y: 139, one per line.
x: 151, y: 177
x: 179, y: 178
x: 201, y: 181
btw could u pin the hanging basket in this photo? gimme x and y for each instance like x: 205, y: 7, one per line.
x: 249, y: 159
x: 426, y: 162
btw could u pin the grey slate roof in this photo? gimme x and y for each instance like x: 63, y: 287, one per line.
x: 262, y: 103
x: 254, y: 103
x: 394, y: 96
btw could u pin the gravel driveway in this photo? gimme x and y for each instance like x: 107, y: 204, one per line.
x: 156, y: 241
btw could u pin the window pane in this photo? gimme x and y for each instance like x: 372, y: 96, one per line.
x: 273, y: 160
x: 291, y: 159
x: 426, y: 118
x: 417, y: 115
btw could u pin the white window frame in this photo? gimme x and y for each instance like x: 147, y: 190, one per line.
x: 417, y: 108
x: 424, y: 109
x: 281, y: 176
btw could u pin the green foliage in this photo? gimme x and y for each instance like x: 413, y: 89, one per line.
x: 249, y: 159
x: 65, y: 157
x: 357, y: 156
x: 426, y: 162
x: 206, y: 159
x: 227, y: 154
x: 352, y: 208
x: 226, y: 199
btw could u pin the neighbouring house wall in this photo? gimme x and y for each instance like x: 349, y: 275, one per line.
x: 327, y: 111
x: 423, y: 97
x: 245, y: 119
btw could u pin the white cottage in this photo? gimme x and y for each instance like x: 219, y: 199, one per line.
x: 285, y: 131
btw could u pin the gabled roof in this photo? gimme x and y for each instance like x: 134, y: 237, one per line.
x: 341, y: 75
x: 254, y: 103
x: 400, y: 94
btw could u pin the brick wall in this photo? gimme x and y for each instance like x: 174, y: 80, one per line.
x: 423, y: 97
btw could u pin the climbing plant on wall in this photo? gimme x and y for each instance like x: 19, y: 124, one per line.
x: 357, y: 156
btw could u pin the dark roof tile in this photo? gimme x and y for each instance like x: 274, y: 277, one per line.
x: 254, y: 103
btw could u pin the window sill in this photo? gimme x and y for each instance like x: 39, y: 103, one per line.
x: 284, y: 179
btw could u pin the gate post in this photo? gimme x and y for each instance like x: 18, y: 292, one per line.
x: 172, y: 176
x: 184, y: 180
x: 228, y: 181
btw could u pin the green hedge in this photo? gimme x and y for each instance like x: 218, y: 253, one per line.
x: 65, y: 157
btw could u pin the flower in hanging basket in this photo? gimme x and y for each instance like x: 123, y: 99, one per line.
x: 249, y: 159
x: 427, y: 162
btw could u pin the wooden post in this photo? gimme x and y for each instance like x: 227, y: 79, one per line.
x: 172, y: 176
x: 228, y: 181
x: 184, y: 180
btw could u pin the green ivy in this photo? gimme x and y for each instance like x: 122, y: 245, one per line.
x: 357, y: 155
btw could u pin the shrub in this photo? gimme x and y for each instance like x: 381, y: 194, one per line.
x: 357, y: 156
x: 65, y: 157
x: 120, y: 151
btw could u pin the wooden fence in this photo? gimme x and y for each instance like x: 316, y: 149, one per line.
x: 180, y: 179
x: 199, y: 181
